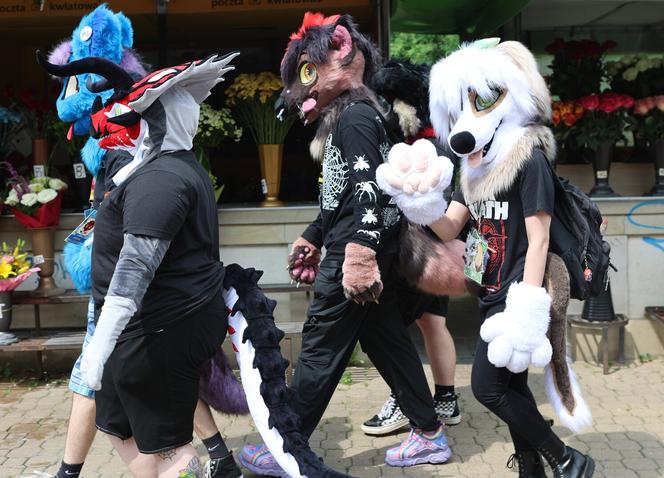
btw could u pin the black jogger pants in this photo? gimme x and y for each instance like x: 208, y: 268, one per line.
x: 330, y: 334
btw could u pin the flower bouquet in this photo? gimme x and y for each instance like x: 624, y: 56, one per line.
x: 35, y: 203
x: 252, y: 97
x: 214, y: 127
x: 15, y: 267
x: 577, y: 68
x: 564, y: 115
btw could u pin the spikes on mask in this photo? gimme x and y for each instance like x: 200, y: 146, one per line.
x: 97, y: 105
x: 126, y: 119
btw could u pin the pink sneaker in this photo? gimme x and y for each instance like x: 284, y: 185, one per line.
x: 419, y: 449
x: 259, y: 460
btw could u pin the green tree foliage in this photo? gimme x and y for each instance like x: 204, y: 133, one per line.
x: 422, y: 48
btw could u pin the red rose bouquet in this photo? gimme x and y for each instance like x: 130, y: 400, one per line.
x: 577, y: 68
x: 604, y: 119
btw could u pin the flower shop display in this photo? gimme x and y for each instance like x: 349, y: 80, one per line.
x: 577, y: 68
x: 36, y: 204
x: 252, y: 97
x: 15, y: 267
x: 37, y: 117
x: 9, y: 120
x: 214, y: 127
x: 642, y: 76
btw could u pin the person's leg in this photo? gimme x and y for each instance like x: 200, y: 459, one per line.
x: 181, y: 462
x: 81, y: 428
x: 221, y: 462
x: 439, y: 346
x: 385, y: 339
x: 140, y: 465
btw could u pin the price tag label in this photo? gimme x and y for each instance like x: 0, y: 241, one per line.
x: 39, y: 171
x: 79, y: 171
x: 661, y: 171
x: 39, y: 259
x: 263, y: 186
x: 603, y: 174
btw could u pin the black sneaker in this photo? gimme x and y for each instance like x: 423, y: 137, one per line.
x: 389, y: 419
x: 447, y: 409
x: 222, y: 468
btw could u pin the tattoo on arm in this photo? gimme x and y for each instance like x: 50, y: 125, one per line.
x: 167, y: 454
x: 193, y: 469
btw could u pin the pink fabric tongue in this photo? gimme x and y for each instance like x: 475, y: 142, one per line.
x: 70, y: 132
x: 308, y: 105
x: 475, y: 158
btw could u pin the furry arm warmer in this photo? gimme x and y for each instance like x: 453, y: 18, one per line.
x: 139, y: 259
x: 415, y: 176
x: 303, y: 261
x: 361, y: 276
x: 517, y: 336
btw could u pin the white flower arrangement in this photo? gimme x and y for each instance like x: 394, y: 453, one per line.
x: 28, y: 196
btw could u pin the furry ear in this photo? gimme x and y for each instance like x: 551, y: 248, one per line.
x: 342, y: 41
x: 126, y: 30
x: 60, y: 55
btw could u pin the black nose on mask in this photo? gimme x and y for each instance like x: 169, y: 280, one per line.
x: 462, y: 143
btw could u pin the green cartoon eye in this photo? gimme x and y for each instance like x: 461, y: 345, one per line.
x: 482, y: 103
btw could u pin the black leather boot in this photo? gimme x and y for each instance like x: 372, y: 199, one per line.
x: 574, y: 464
x: 529, y: 463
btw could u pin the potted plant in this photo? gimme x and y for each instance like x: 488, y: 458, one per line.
x: 214, y: 127
x: 36, y: 204
x: 599, y: 129
x: 252, y: 96
x: 15, y: 267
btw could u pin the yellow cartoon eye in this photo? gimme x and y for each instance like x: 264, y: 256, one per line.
x: 308, y: 73
x: 486, y: 103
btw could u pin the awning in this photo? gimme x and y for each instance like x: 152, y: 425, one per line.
x: 465, y: 17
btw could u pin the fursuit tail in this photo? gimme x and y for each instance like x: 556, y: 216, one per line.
x: 562, y: 386
x: 220, y: 389
x: 255, y: 340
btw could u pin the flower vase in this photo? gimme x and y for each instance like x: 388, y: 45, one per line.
x: 658, y: 188
x: 270, y: 158
x: 5, y: 311
x: 40, y: 151
x: 6, y: 337
x: 43, y: 240
x: 601, y: 165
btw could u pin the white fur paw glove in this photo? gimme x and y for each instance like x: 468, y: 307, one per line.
x: 517, y: 336
x: 415, y: 176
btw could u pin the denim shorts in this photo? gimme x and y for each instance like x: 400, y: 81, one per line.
x: 76, y: 384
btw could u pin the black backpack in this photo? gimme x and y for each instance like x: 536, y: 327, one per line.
x: 575, y: 236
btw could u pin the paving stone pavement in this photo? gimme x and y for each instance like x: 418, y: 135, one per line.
x: 627, y: 439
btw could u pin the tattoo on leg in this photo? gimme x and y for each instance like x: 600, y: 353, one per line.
x: 193, y: 469
x: 167, y: 454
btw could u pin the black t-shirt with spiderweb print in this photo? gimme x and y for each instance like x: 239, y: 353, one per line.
x: 352, y: 206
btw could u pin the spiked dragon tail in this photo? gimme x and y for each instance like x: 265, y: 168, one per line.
x: 255, y: 340
x: 562, y: 386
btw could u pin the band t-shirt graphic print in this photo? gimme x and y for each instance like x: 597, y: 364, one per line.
x: 501, y: 221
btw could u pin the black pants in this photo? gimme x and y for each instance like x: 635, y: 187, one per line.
x: 507, y: 395
x: 330, y: 334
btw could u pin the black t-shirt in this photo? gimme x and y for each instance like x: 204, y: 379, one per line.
x: 169, y: 198
x: 502, y: 223
x: 352, y: 206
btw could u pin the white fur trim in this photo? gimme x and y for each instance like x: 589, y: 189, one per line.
x: 251, y: 382
x: 581, y: 418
